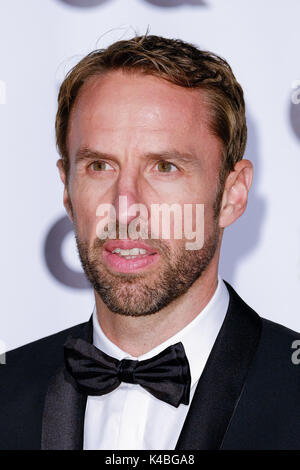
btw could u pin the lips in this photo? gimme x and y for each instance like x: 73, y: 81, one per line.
x: 120, y: 263
x: 111, y: 245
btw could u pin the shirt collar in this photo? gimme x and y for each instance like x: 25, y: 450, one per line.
x: 197, y: 337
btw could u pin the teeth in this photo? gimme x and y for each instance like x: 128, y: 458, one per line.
x: 129, y: 253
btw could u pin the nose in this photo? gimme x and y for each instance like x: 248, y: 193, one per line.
x: 127, y: 193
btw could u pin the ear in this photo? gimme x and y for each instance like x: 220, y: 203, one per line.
x: 235, y: 195
x: 66, y: 199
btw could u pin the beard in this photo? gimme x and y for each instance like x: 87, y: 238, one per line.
x: 140, y: 294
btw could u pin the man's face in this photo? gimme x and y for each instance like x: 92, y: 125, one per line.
x: 144, y: 138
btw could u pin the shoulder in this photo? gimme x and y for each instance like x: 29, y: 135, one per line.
x: 38, y: 359
x: 274, y: 331
x: 271, y: 331
x: 24, y: 380
x: 276, y: 362
x: 267, y: 415
x: 278, y: 347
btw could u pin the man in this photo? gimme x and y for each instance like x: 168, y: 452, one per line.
x: 172, y: 357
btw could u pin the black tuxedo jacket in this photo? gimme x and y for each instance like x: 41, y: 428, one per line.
x: 248, y: 396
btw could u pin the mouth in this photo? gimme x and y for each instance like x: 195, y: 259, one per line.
x: 128, y: 255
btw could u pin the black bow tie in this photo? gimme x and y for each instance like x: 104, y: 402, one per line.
x: 166, y: 375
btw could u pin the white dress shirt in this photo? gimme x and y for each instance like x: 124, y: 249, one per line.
x: 129, y: 417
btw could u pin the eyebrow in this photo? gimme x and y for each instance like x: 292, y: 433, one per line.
x: 85, y: 153
x: 88, y: 154
x: 174, y: 155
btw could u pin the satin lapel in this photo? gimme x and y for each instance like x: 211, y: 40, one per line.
x: 64, y: 409
x: 222, y: 380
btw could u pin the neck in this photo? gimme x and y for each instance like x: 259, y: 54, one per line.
x: 138, y: 335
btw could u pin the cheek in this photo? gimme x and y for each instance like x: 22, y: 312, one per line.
x: 84, y: 207
x: 196, y: 208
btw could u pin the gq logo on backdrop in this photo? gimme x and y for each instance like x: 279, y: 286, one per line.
x: 55, y: 261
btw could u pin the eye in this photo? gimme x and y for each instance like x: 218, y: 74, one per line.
x: 166, y: 167
x: 100, y: 166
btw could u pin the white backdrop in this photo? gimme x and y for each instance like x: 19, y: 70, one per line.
x: 43, y: 289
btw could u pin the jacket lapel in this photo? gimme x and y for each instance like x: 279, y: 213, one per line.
x: 64, y: 409
x: 222, y: 380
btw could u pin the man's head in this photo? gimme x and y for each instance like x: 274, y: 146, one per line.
x: 158, y: 121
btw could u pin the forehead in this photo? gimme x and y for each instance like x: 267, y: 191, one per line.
x: 137, y: 107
